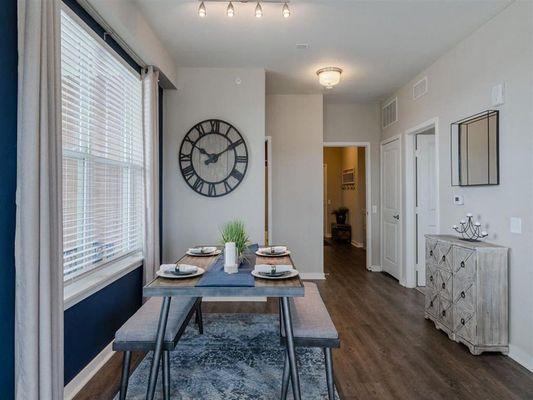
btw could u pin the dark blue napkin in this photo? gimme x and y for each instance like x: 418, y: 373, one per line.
x: 216, y: 277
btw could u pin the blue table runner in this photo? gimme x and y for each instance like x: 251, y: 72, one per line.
x: 216, y: 277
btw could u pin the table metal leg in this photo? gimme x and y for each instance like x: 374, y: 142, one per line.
x: 290, y: 348
x: 161, y: 327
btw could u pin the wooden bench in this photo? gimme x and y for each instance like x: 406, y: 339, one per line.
x: 139, y: 334
x: 312, y: 327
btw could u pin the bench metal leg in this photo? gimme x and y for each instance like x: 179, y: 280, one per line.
x: 125, y: 375
x: 166, y: 375
x: 329, y: 373
x: 285, y: 379
x: 161, y: 327
x: 287, y: 321
x: 199, y: 318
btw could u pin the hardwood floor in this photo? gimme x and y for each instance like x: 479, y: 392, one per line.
x: 388, y: 350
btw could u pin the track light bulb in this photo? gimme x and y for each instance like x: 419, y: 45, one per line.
x: 286, y: 12
x: 258, y: 10
x: 230, y: 12
x: 202, y: 12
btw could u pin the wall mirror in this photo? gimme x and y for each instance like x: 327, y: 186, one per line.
x: 474, y: 150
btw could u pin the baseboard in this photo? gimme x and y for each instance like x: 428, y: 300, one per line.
x: 358, y: 245
x: 375, y: 268
x: 521, y: 357
x: 312, y: 276
x: 239, y: 299
x: 87, y: 373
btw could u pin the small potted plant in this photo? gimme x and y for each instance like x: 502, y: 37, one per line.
x: 235, y: 232
x: 341, y: 215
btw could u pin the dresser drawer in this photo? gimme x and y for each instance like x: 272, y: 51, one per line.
x: 444, y: 284
x: 465, y: 299
x: 431, y: 252
x: 445, y: 315
x: 431, y: 276
x: 432, y: 302
x: 464, y: 267
x: 444, y: 256
x: 464, y: 324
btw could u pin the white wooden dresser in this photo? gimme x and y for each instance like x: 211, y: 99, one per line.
x: 467, y: 292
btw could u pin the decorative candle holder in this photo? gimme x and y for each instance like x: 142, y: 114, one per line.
x: 470, y: 230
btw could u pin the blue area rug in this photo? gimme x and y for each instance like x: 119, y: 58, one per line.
x: 238, y: 357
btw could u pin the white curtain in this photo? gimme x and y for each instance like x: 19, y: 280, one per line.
x: 38, y: 241
x: 151, y: 177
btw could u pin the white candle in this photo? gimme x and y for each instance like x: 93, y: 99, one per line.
x: 477, y: 224
x: 463, y: 222
x: 484, y: 233
x: 455, y: 227
x: 230, y: 258
x: 469, y: 215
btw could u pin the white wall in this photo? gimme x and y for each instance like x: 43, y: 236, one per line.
x: 460, y: 85
x: 359, y: 122
x: 189, y: 218
x: 130, y: 24
x: 295, y: 123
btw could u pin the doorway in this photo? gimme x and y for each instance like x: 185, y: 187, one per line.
x: 346, y: 198
x: 268, y: 191
x: 391, y: 205
x: 421, y: 198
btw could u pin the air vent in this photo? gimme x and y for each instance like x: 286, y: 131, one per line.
x: 420, y: 88
x: 389, y: 114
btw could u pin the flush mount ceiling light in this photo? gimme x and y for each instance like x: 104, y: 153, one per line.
x: 329, y: 77
x: 230, y: 10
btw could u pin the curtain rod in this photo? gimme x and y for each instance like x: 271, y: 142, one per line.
x: 109, y: 31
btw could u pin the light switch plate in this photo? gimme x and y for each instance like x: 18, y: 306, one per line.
x: 458, y: 200
x: 374, y: 209
x: 516, y: 225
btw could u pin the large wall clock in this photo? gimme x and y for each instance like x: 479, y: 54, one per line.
x: 213, y: 158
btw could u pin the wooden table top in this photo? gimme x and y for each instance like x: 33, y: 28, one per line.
x: 162, y: 287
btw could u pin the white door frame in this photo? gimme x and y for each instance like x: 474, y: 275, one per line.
x: 327, y: 233
x: 410, y: 195
x: 400, y: 222
x: 368, y: 188
x: 268, y: 140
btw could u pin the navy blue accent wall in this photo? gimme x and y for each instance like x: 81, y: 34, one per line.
x: 91, y: 324
x: 8, y: 181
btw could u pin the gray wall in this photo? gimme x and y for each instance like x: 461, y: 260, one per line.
x: 460, y: 84
x: 189, y: 218
x: 359, y: 122
x: 295, y: 123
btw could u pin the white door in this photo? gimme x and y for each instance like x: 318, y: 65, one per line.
x: 325, y: 200
x: 426, y: 199
x: 390, y: 207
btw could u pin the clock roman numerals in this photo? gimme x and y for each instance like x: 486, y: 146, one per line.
x: 213, y: 158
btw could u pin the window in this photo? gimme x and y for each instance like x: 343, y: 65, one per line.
x: 103, y: 199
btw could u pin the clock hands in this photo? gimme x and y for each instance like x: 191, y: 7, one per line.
x: 202, y: 151
x: 213, y: 158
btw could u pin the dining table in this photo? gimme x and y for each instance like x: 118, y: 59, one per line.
x: 216, y: 283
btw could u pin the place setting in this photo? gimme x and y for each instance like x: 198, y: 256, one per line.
x: 273, y: 251
x: 179, y: 271
x: 203, y: 251
x: 269, y: 271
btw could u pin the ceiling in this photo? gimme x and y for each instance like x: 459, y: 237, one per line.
x: 379, y: 44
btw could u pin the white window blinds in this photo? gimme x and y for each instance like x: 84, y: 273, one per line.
x: 103, y: 204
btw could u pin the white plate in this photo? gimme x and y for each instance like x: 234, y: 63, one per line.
x: 272, y: 255
x: 215, y: 253
x: 292, y: 274
x: 170, y: 275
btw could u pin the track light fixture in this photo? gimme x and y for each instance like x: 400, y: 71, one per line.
x: 202, y: 12
x: 258, y: 10
x: 230, y: 9
x: 286, y: 12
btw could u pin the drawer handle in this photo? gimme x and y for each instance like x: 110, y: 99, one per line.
x: 462, y: 264
x: 462, y: 321
x: 431, y: 278
x: 463, y: 295
x: 443, y: 258
x: 443, y: 313
x: 431, y: 252
x: 444, y: 285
